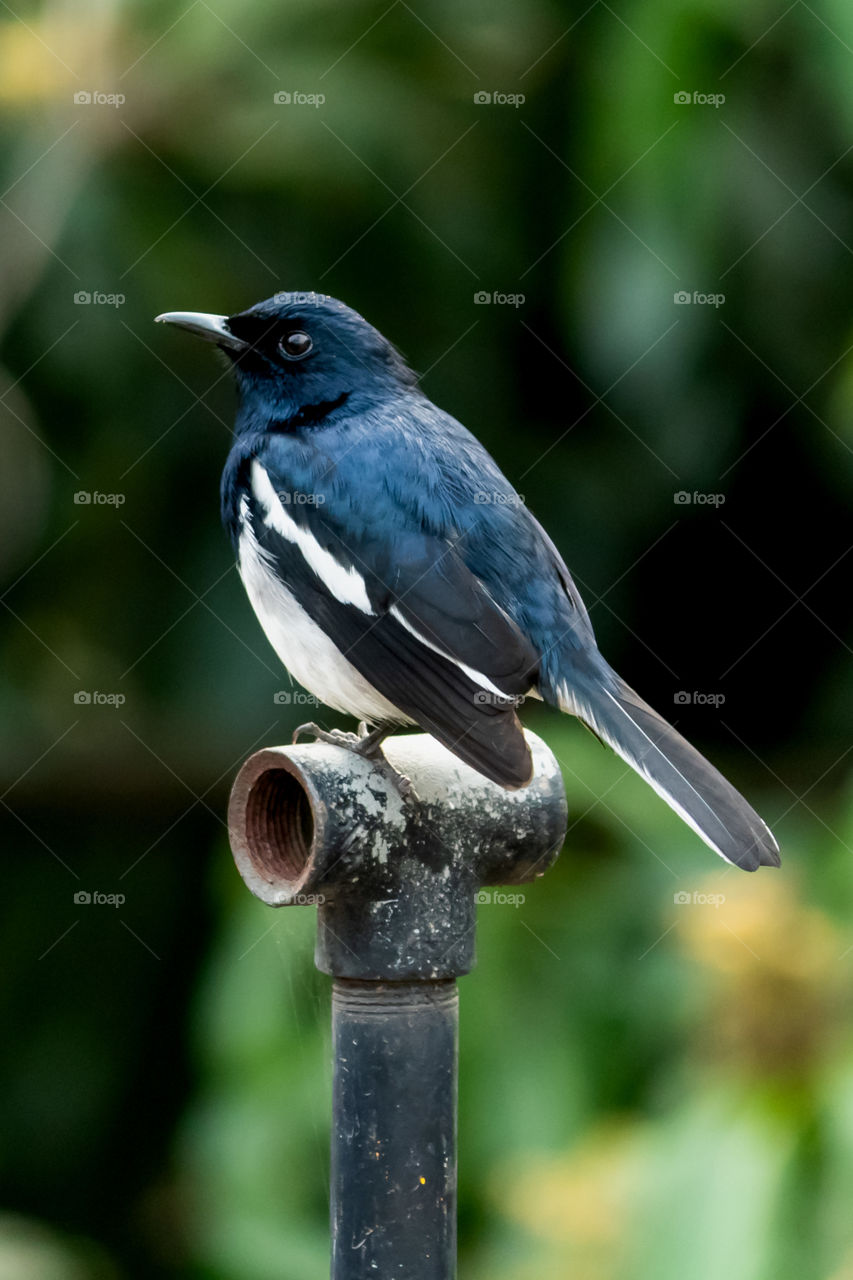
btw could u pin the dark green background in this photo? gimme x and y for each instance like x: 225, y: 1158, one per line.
x: 650, y: 1089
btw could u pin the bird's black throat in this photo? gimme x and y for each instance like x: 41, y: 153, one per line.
x: 310, y: 415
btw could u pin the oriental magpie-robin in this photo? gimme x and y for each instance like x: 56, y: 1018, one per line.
x: 400, y: 577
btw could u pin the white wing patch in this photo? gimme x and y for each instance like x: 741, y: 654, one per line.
x: 346, y: 585
x: 483, y: 681
x: 307, y: 652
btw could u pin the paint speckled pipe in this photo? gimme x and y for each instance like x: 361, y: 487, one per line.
x: 396, y: 879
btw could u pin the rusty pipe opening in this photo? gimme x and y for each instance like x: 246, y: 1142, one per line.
x: 276, y: 820
x: 279, y: 826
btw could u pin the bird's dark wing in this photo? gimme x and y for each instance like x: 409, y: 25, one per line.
x: 413, y: 620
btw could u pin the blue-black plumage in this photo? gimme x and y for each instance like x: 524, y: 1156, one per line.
x: 400, y: 577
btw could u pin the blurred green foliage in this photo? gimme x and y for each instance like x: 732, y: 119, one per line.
x: 650, y: 1088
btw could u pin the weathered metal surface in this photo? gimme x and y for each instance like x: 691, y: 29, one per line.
x: 395, y: 879
x: 393, y: 1174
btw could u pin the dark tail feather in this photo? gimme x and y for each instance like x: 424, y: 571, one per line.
x: 687, y: 782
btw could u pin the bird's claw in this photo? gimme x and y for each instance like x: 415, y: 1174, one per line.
x: 366, y: 743
x: 335, y: 737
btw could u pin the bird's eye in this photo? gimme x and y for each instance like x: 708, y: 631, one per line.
x: 295, y: 345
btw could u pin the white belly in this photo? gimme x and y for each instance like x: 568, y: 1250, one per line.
x: 307, y: 652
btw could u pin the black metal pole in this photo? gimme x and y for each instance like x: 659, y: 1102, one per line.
x: 395, y: 880
x: 393, y: 1182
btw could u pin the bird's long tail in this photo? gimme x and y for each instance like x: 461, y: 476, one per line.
x: 679, y: 774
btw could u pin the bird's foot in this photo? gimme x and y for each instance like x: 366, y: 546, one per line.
x: 367, y: 743
x: 335, y: 737
x: 370, y: 746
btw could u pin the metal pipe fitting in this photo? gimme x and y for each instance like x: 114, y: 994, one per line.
x: 394, y: 877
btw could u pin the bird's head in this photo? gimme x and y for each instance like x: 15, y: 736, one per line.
x: 300, y: 349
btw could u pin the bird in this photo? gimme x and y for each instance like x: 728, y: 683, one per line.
x: 401, y: 578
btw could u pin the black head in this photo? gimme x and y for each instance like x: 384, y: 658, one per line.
x: 299, y: 349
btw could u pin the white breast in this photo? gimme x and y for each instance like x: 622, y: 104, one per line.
x: 307, y: 652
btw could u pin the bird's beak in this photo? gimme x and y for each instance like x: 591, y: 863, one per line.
x: 210, y: 328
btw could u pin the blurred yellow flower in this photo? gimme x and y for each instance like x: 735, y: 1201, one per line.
x: 776, y: 966
x: 40, y: 61
x: 577, y: 1203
